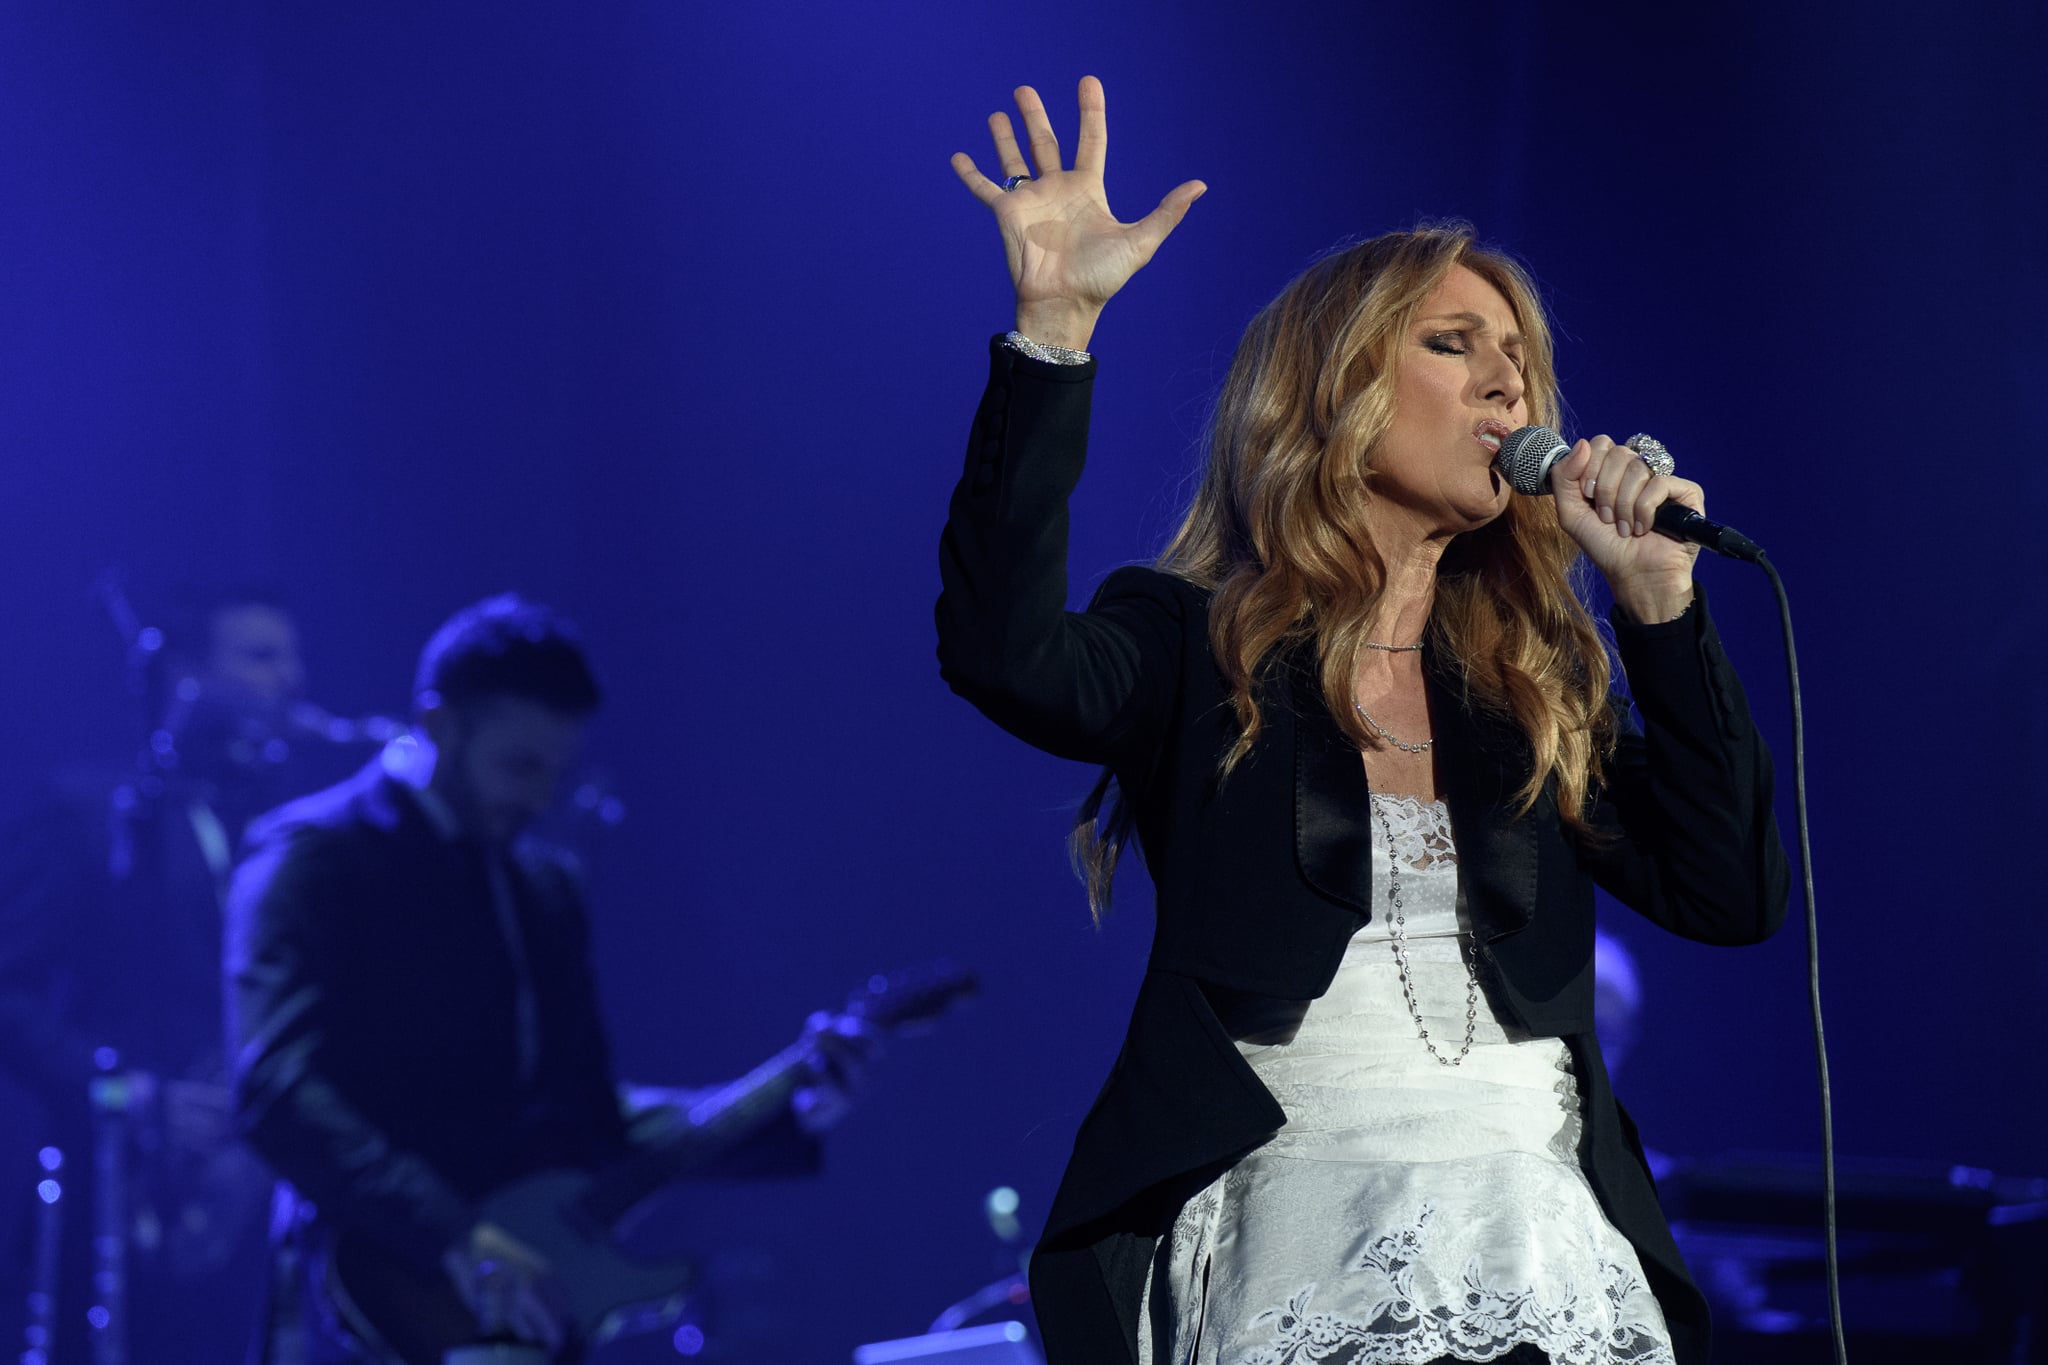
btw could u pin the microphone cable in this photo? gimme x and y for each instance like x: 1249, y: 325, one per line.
x: 1525, y: 458
x: 1820, y: 1046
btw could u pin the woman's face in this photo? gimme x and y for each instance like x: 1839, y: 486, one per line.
x: 1458, y: 392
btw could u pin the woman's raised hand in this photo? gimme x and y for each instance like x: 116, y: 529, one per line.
x: 1068, y: 254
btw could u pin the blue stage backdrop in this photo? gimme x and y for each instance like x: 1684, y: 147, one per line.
x: 673, y: 315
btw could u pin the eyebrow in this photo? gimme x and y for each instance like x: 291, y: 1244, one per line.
x: 1473, y: 320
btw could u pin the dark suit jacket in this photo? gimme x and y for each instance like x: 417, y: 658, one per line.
x: 1263, y: 879
x: 373, y: 1009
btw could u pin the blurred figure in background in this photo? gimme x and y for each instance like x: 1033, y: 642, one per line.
x: 1617, y: 999
x: 111, y: 895
x: 416, y: 1024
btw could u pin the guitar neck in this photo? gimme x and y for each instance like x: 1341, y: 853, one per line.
x: 732, y: 1111
x: 729, y: 1115
x: 713, y: 1126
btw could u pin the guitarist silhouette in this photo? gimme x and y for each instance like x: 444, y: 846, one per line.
x: 417, y: 1030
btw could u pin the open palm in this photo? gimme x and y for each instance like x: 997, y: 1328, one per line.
x: 1067, y: 251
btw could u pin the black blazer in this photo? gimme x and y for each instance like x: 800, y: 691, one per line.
x: 373, y: 1006
x: 1263, y: 879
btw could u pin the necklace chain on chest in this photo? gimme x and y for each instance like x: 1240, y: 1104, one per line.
x: 1379, y: 729
x: 1397, y: 924
x: 1422, y: 747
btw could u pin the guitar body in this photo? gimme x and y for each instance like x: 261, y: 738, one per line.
x: 396, y: 1311
x: 570, y: 1217
x: 391, y: 1308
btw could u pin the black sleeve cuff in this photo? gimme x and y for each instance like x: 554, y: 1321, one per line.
x: 1678, y: 672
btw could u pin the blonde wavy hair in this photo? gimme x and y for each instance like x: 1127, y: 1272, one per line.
x: 1278, y: 530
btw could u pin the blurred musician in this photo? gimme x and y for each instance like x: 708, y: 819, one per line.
x: 111, y: 896
x: 414, y: 1015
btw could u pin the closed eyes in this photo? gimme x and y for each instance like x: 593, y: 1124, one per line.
x: 1459, y: 343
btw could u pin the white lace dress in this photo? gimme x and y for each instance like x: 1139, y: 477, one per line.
x: 1408, y: 1210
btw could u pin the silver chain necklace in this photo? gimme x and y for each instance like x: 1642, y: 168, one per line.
x: 1380, y: 729
x: 1422, y: 748
x: 1398, y: 923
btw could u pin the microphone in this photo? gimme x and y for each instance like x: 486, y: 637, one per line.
x: 1525, y: 461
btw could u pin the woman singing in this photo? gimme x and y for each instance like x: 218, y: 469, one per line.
x: 1361, y: 726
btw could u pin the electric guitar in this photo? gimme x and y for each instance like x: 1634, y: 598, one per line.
x: 572, y: 1217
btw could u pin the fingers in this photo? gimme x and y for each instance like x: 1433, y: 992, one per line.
x: 1568, y: 490
x: 1659, y: 489
x: 1045, y: 148
x: 820, y: 1108
x: 979, y: 185
x: 843, y: 1059
x: 839, y: 1047
x: 1007, y: 154
x: 1155, y: 226
x: 507, y: 1297
x: 530, y: 1317
x: 507, y: 1305
x: 1612, y: 479
x: 1623, y: 492
x: 1091, y: 151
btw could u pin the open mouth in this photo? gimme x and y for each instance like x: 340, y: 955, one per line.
x: 1490, y: 434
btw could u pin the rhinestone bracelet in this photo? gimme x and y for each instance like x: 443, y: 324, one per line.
x: 1052, y: 355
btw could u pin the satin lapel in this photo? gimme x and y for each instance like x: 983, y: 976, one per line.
x: 1332, y: 834
x: 1476, y: 755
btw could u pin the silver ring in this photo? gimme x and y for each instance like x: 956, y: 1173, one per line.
x: 1652, y: 452
x: 1014, y: 181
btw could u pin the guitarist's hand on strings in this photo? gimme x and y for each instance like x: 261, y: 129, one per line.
x: 837, y: 1051
x: 507, y: 1284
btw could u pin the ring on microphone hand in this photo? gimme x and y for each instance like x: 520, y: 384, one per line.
x: 1652, y: 452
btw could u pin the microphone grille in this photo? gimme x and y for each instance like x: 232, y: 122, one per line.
x: 1526, y: 456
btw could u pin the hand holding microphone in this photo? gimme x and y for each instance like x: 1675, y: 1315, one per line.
x: 1610, y: 500
x: 1528, y: 457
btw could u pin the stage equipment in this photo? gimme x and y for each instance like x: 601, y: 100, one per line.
x: 1938, y: 1262
x: 39, y: 1332
x: 998, y: 1343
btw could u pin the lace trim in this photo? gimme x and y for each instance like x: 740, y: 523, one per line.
x: 1565, y: 1145
x: 1490, y: 1319
x: 1422, y: 831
